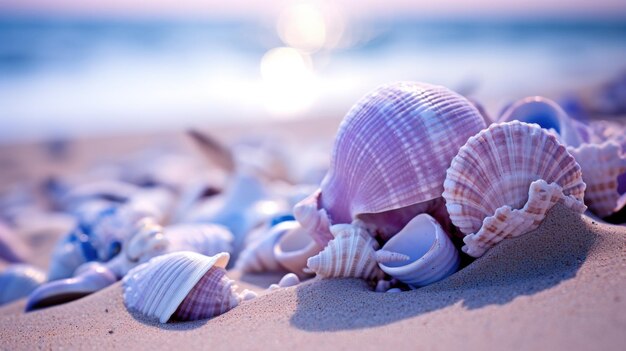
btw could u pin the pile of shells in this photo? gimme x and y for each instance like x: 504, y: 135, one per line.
x: 420, y: 179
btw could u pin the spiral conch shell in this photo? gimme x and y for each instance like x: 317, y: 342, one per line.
x: 351, y: 254
x: 505, y: 179
x: 182, y: 286
x: 391, y: 152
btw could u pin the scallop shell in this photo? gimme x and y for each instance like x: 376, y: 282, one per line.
x: 602, y: 165
x: 159, y: 288
x: 19, y: 280
x: 548, y: 115
x: 432, y: 255
x: 351, y: 254
x: 505, y: 179
x: 391, y: 151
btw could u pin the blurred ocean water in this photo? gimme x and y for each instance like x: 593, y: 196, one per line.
x: 71, y: 77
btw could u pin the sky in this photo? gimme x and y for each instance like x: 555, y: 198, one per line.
x: 364, y: 8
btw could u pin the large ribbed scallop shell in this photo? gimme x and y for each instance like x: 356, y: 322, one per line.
x: 602, y: 165
x: 492, y: 174
x: 157, y: 288
x: 391, y: 151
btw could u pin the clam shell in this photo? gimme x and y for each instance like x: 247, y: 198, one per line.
x: 602, y: 165
x: 19, y: 280
x: 391, y: 151
x: 157, y: 288
x: 351, y: 254
x: 432, y: 255
x: 548, y: 115
x: 492, y: 175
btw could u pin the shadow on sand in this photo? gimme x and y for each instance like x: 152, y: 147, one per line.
x: 517, y: 267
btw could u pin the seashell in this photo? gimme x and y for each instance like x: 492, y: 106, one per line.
x: 548, y: 115
x: 182, y: 286
x: 151, y: 240
x: 294, y: 247
x: 69, y: 253
x: 431, y: 254
x: 505, y: 179
x: 289, y: 279
x: 382, y: 159
x: 12, y: 248
x: 243, y: 205
x: 602, y: 166
x: 286, y: 246
x: 19, y: 280
x: 258, y: 255
x: 351, y: 254
x: 91, y: 277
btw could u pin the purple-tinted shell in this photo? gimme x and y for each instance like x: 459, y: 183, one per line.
x: 210, y: 297
x: 391, y: 152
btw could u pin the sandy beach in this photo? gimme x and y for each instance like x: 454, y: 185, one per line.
x: 559, y: 287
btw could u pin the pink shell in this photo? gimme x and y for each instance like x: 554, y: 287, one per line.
x: 391, y: 151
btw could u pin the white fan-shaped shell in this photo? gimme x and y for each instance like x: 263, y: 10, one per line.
x: 19, y: 280
x: 431, y: 254
x: 601, y: 165
x: 391, y: 151
x: 351, y: 254
x: 495, y: 169
x: 158, y: 287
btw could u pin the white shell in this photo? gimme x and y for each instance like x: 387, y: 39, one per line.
x: 19, y: 280
x: 158, y: 287
x: 151, y: 240
x: 294, y: 247
x: 286, y: 246
x: 492, y: 175
x: 258, y: 255
x: 432, y: 256
x: 601, y: 165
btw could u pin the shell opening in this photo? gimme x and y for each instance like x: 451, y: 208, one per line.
x: 413, y: 246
